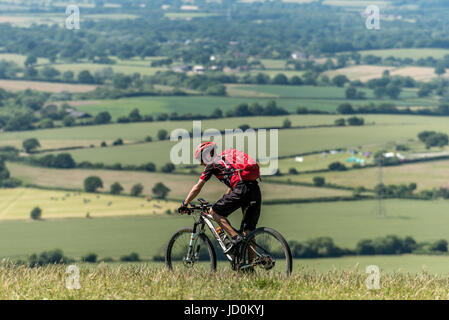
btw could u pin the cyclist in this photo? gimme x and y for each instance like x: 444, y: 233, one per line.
x: 242, y: 193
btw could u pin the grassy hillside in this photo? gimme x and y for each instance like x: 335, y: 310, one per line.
x: 149, y: 282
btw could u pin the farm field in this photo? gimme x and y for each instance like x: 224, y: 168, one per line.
x: 345, y: 222
x: 27, y: 20
x: 367, y: 72
x: 18, y: 203
x: 129, y: 69
x: 179, y: 184
x: 294, y: 141
x: 54, y: 87
x: 133, y: 132
x: 427, y: 175
x: 414, y: 53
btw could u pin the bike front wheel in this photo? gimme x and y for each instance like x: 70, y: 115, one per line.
x: 179, y: 255
x: 266, y: 251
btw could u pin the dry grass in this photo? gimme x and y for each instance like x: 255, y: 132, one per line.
x: 366, y: 72
x: 155, y: 282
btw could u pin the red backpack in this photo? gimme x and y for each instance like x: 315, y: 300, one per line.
x: 245, y: 167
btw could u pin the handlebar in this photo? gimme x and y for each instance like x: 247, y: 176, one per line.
x: 204, y: 206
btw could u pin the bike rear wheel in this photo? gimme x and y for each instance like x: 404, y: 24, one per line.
x: 265, y: 251
x: 177, y: 253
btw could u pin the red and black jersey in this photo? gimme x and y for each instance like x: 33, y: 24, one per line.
x: 223, y: 173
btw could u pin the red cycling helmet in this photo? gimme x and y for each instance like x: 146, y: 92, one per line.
x: 205, y: 146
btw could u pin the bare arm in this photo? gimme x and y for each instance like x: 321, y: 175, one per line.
x: 195, y: 191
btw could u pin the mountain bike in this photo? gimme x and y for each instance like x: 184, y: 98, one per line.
x: 262, y: 250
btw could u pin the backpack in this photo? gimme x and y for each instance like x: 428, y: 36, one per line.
x: 245, y: 168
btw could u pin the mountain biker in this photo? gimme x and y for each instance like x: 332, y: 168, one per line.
x: 242, y: 193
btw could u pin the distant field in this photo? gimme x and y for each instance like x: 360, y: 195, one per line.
x: 132, y: 132
x: 388, y: 130
x: 20, y: 59
x: 130, y: 69
x: 288, y: 97
x: 414, y: 53
x: 426, y: 175
x: 345, y: 222
x: 14, y: 85
x: 367, y: 72
x: 179, y: 184
x: 18, y: 203
x: 26, y: 20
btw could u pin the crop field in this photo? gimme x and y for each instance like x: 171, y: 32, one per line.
x: 414, y: 53
x: 18, y: 203
x: 367, y: 72
x: 427, y: 175
x: 179, y: 184
x: 54, y: 87
x: 20, y: 58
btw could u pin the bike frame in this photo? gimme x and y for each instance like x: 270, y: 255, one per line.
x: 199, y: 228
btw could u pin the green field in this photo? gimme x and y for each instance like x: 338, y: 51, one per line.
x: 388, y: 130
x: 427, y: 175
x: 133, y: 132
x: 345, y: 222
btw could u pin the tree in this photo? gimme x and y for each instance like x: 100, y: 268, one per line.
x: 68, y: 121
x: 64, y: 161
x: 340, y: 80
x: 118, y: 142
x: 354, y: 121
x: 134, y: 115
x: 102, y: 118
x: 36, y: 213
x: 319, y: 181
x: 440, y: 69
x: 160, y: 190
x: 162, y: 134
x: 30, y: 61
x: 351, y: 93
x: 345, y: 108
x: 337, y: 166
x: 30, y: 145
x: 92, y: 183
x: 340, y: 122
x: 85, y: 77
x: 116, y: 188
x: 136, y: 189
x: 286, y: 124
x: 280, y: 79
x: 168, y: 167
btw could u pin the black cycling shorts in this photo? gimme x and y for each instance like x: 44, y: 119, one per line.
x: 245, y: 195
